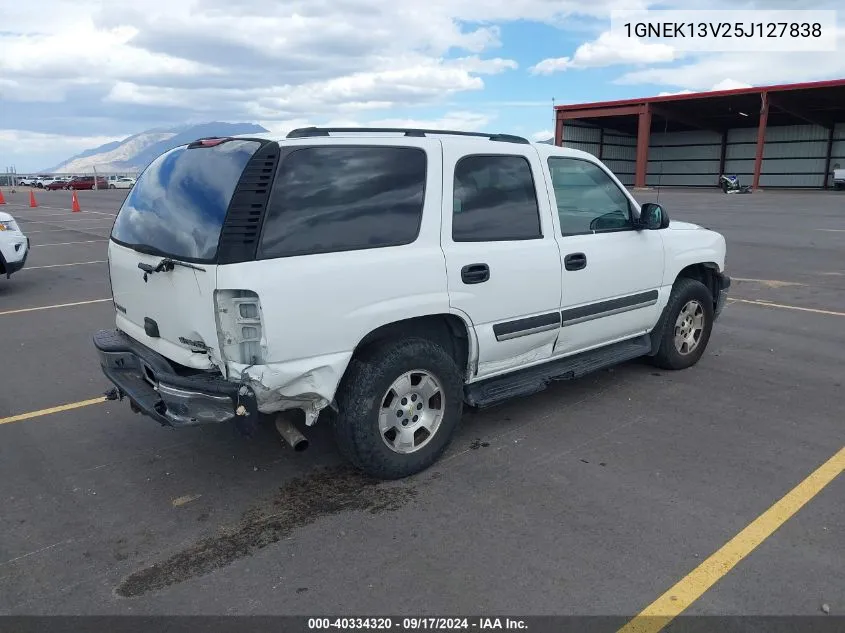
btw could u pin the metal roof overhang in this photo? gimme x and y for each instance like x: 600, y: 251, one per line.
x: 820, y: 103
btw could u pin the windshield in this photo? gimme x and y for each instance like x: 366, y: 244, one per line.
x: 178, y: 205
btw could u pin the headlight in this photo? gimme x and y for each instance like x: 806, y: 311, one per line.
x: 7, y: 226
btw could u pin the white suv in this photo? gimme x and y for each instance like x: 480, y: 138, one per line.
x: 393, y: 276
x: 14, y: 246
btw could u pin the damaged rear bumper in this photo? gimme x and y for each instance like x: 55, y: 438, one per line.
x: 155, y: 387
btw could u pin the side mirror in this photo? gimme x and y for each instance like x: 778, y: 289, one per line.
x: 652, y: 217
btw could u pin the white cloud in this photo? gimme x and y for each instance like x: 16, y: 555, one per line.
x: 458, y: 120
x: 609, y: 49
x: 724, y: 84
x: 90, y: 53
x: 34, y: 141
x: 287, y: 56
x: 542, y: 135
x: 730, y: 84
x: 404, y: 81
x: 34, y: 150
x: 707, y: 72
x: 130, y: 65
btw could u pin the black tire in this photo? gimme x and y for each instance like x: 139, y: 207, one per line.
x: 369, y: 376
x: 111, y: 187
x: 685, y: 290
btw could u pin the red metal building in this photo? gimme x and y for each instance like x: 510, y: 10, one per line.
x: 806, y: 122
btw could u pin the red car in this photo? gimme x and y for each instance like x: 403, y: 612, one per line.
x: 86, y: 182
x: 55, y: 185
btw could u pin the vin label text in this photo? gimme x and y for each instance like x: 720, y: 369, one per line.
x: 741, y: 30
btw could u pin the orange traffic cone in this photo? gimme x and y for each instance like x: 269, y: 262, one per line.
x: 32, y: 201
x: 74, y: 205
x: 2, y: 199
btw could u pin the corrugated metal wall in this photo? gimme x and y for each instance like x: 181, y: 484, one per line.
x: 837, y: 153
x: 617, y: 150
x: 619, y: 153
x: 687, y: 159
x: 793, y: 156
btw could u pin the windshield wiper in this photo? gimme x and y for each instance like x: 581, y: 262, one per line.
x: 165, y: 266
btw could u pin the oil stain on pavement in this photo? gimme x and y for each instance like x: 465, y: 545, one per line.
x: 297, y: 504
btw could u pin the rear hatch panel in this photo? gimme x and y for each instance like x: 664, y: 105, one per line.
x: 176, y: 211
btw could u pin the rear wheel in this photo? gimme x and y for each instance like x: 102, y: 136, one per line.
x: 689, y: 321
x: 112, y: 187
x: 400, y: 403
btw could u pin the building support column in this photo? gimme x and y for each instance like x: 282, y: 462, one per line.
x: 761, y: 139
x: 601, y: 143
x: 559, y: 121
x: 827, y: 156
x: 643, y: 137
x: 723, y: 154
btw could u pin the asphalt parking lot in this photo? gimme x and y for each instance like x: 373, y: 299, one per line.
x: 594, y: 497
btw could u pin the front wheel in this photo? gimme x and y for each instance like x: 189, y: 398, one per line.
x: 399, y: 405
x: 112, y: 187
x: 689, y: 321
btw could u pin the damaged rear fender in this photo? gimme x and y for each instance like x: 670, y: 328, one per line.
x: 307, y: 383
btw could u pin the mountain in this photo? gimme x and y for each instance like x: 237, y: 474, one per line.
x: 135, y: 152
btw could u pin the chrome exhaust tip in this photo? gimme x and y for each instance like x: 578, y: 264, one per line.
x: 290, y: 434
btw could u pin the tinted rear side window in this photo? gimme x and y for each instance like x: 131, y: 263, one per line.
x: 178, y: 205
x: 341, y: 198
x: 494, y: 200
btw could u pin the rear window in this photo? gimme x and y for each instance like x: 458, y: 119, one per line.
x: 178, y: 205
x: 344, y: 198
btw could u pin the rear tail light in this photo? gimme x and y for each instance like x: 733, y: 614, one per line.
x: 239, y: 326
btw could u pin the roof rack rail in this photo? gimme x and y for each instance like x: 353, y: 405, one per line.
x: 308, y: 132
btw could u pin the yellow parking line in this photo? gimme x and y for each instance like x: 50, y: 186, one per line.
x: 57, y: 305
x: 663, y: 610
x: 63, y: 407
x: 788, y: 307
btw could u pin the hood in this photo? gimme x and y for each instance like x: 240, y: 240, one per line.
x: 677, y: 225
x: 5, y: 217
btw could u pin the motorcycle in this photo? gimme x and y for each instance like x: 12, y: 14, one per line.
x: 730, y: 184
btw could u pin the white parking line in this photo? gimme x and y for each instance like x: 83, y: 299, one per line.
x: 67, y: 229
x: 58, y: 305
x: 98, y: 261
x: 68, y: 209
x: 68, y: 243
x: 832, y: 230
x: 63, y: 219
x: 769, y: 304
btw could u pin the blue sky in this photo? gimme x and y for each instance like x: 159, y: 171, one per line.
x: 74, y: 75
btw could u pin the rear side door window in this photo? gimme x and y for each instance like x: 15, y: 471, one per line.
x: 344, y: 198
x: 495, y: 199
x: 588, y: 200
